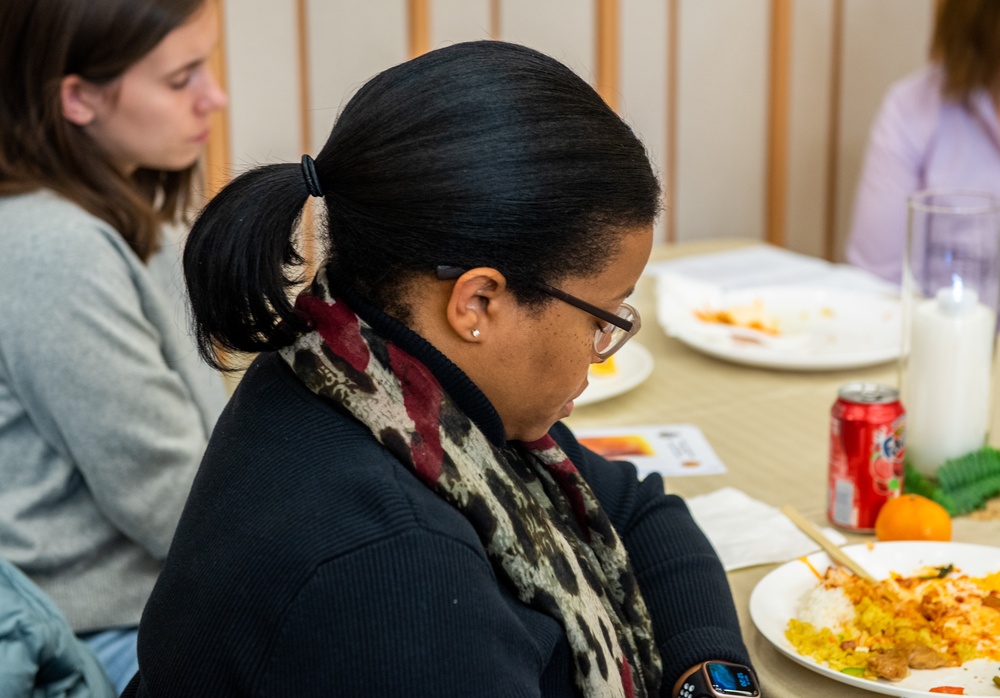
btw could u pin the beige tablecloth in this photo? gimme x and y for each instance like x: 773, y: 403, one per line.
x: 770, y: 428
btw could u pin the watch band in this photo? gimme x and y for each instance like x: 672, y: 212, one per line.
x: 694, y: 687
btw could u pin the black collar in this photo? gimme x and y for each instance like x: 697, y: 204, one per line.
x: 466, y: 394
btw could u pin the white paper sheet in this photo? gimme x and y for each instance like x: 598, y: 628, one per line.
x: 673, y: 450
x: 765, y: 265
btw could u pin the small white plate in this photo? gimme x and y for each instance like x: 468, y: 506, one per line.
x: 821, y: 329
x: 633, y: 364
x: 775, y: 600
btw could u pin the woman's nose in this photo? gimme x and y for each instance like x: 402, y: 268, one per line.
x: 214, y: 97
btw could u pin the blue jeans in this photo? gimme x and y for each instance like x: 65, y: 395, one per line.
x: 115, y: 650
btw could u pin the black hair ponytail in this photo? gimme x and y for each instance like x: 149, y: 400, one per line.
x: 240, y: 261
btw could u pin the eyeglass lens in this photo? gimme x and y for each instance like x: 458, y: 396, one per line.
x: 610, y: 338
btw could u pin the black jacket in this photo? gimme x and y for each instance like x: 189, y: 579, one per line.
x: 310, y: 562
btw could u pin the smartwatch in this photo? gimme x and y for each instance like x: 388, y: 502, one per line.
x: 719, y: 679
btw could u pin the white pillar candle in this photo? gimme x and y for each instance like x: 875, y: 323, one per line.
x: 948, y: 378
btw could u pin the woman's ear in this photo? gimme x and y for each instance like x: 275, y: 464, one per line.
x: 77, y: 99
x: 476, y: 298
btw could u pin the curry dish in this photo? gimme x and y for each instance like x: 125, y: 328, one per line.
x: 937, y: 617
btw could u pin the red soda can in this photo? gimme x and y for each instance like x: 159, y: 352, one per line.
x: 867, y: 444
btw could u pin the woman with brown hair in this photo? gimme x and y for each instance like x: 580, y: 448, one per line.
x: 105, y: 410
x: 937, y: 128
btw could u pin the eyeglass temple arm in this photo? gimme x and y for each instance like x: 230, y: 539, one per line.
x: 619, y: 322
x: 446, y: 273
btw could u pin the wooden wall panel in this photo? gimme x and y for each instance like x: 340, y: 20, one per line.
x: 215, y: 166
x: 349, y: 42
x: 263, y: 87
x: 722, y: 102
x: 778, y: 119
x: 643, y: 80
x: 607, y: 51
x: 453, y: 21
x: 709, y: 147
x: 808, y: 124
x: 563, y: 29
x: 418, y: 27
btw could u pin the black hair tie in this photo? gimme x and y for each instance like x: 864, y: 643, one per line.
x: 309, y: 174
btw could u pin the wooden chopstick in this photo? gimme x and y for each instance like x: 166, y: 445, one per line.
x: 835, y: 553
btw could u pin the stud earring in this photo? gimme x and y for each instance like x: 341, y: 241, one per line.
x: 475, y: 334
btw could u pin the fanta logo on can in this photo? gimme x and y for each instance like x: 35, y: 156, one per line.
x: 892, y: 447
x: 888, y: 447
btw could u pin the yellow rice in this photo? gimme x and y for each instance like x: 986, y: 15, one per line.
x: 946, y: 614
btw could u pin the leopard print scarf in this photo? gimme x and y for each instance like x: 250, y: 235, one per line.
x: 540, y: 523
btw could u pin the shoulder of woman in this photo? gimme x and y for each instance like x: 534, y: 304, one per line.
x: 42, y: 230
x: 918, y: 95
x: 910, y: 113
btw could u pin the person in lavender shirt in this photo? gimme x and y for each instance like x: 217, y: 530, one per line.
x: 937, y: 128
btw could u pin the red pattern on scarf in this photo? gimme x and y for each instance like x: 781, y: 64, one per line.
x: 422, y: 397
x: 627, y: 678
x: 339, y: 327
x: 567, y: 477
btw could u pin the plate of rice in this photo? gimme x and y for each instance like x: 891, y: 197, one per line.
x: 932, y: 621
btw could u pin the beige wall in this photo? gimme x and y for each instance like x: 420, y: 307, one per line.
x: 719, y: 66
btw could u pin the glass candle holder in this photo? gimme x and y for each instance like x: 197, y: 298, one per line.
x: 951, y: 296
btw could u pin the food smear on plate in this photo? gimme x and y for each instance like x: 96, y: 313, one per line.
x: 751, y: 316
x: 755, y: 316
x: 605, y: 368
x: 935, y: 617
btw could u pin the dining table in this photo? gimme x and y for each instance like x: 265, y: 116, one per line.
x: 771, y: 429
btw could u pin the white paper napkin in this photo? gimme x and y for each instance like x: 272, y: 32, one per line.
x: 747, y: 532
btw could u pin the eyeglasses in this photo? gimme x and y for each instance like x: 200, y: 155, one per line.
x: 620, y: 326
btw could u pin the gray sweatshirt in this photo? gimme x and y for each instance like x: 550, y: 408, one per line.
x: 105, y: 408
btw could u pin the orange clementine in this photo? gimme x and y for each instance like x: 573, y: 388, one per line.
x: 912, y: 517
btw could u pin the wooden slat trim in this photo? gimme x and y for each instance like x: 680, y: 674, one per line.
x: 607, y: 50
x: 833, y: 131
x: 217, y: 150
x: 670, y: 157
x: 305, y: 95
x: 419, y: 19
x: 307, y: 232
x: 779, y: 101
x: 496, y: 22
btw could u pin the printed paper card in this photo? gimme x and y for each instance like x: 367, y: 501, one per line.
x: 673, y: 450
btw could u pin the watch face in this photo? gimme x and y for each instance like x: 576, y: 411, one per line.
x: 731, y: 679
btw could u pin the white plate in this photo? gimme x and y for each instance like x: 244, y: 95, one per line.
x: 775, y: 599
x: 821, y: 329
x: 633, y: 362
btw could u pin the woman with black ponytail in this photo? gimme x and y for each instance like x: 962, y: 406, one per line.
x: 390, y: 505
